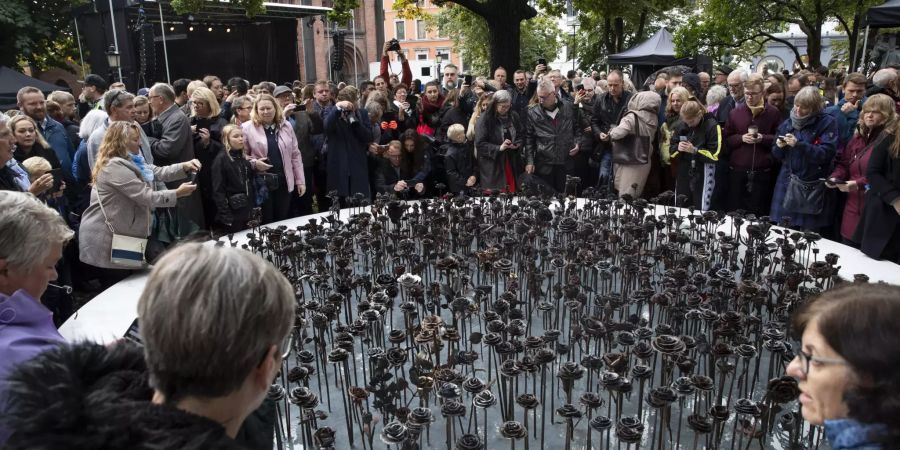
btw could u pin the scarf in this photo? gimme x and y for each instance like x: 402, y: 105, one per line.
x: 798, y: 122
x: 146, y: 171
x: 429, y: 107
x: 755, y: 110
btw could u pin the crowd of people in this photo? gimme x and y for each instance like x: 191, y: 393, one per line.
x: 134, y: 173
x: 108, y: 181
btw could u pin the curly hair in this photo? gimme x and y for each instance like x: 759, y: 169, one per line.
x: 859, y: 322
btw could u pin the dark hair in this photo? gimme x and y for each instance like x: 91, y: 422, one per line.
x: 239, y: 84
x: 365, y: 85
x: 411, y: 164
x: 180, y: 86
x: 675, y: 72
x: 859, y: 321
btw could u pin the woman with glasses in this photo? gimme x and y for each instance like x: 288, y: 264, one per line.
x: 499, y: 142
x: 846, y: 366
x: 206, y: 128
x: 806, y: 144
x: 241, y: 108
x: 749, y: 134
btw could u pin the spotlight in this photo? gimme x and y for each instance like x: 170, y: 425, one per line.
x: 191, y: 28
x: 209, y: 29
x: 228, y: 30
x: 171, y: 28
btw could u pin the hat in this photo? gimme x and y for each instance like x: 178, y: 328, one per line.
x: 692, y: 82
x: 143, y: 91
x: 95, y: 80
x: 281, y: 90
x: 725, y: 70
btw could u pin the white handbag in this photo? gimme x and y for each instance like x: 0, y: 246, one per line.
x: 126, y: 251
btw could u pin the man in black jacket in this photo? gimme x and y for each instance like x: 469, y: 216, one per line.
x: 551, y: 137
x: 387, y: 175
x: 608, y: 110
x: 521, y: 92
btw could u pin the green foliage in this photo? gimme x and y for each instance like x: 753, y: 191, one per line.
x: 251, y: 7
x: 607, y: 27
x: 541, y: 37
x: 341, y: 11
x: 39, y: 34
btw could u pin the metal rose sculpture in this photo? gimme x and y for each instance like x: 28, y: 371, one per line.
x: 470, y: 323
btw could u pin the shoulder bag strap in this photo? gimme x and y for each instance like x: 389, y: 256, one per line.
x: 105, y: 217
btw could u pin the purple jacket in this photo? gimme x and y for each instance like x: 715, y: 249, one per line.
x: 26, y: 329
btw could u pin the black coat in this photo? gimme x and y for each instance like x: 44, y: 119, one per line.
x: 450, y: 116
x: 880, y: 222
x: 548, y: 140
x: 606, y: 115
x: 707, y: 139
x: 231, y: 176
x: 386, y: 176
x: 388, y: 132
x: 491, y: 160
x: 90, y: 396
x: 37, y: 150
x: 347, y: 161
x: 460, y: 164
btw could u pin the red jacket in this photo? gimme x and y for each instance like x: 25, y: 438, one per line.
x: 851, y: 165
x: 405, y: 78
x: 740, y: 155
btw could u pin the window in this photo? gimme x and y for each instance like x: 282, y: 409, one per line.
x: 444, y: 54
x: 400, y: 30
x: 421, y: 30
x: 421, y: 54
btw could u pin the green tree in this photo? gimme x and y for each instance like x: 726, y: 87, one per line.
x: 749, y: 25
x: 541, y: 37
x: 39, y: 34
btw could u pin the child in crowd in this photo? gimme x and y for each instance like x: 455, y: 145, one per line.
x: 459, y: 160
x: 234, y: 193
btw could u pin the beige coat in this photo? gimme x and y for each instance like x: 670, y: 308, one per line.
x: 631, y: 179
x: 128, y: 201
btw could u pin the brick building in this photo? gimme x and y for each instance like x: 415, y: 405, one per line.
x: 421, y: 45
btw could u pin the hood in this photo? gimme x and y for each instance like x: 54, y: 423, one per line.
x: 88, y: 396
x: 645, y: 101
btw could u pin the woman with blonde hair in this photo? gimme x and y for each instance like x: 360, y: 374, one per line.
x: 29, y: 141
x: 270, y: 142
x: 696, y: 142
x: 876, y: 124
x: 484, y: 102
x: 206, y: 127
x: 878, y: 231
x: 123, y: 198
x: 232, y: 183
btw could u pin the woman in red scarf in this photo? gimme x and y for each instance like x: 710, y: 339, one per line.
x: 430, y: 108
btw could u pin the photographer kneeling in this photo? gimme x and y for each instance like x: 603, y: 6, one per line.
x: 213, y: 321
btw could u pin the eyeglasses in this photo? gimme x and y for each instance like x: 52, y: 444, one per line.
x: 807, y: 358
x: 752, y: 94
x: 735, y: 85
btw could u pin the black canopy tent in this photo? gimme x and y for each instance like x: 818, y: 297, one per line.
x: 886, y: 15
x: 12, y: 80
x: 651, y: 55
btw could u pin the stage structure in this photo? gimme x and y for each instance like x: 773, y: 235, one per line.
x: 156, y: 44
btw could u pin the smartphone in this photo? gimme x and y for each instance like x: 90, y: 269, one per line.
x: 57, y: 179
x: 781, y: 138
x: 542, y: 61
x: 682, y: 138
x: 467, y: 80
x: 194, y: 177
x: 836, y: 181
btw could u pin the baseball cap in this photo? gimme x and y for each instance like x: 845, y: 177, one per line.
x: 95, y: 80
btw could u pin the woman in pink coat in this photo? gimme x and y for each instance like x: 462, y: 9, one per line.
x: 849, y: 175
x: 271, y: 144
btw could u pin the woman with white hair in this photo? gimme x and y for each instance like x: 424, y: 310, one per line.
x: 81, y: 167
x: 806, y: 144
x: 714, y: 97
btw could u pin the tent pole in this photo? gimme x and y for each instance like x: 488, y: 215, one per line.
x: 862, y: 54
x: 80, y: 52
x: 112, y: 18
x: 355, y: 67
x: 162, y: 25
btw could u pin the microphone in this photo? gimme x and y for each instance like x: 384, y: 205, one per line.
x: 65, y: 288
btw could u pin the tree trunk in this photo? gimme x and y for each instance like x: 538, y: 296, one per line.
x: 620, y: 34
x: 814, y: 47
x: 505, y: 42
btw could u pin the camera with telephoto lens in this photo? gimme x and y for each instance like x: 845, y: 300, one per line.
x: 394, y: 45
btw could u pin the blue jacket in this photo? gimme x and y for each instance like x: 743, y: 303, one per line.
x: 847, y: 434
x: 811, y: 159
x: 846, y: 123
x: 55, y: 134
